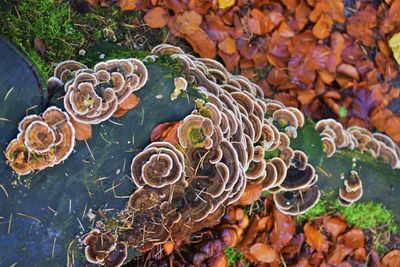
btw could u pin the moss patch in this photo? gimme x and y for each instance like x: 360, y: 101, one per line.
x: 234, y: 255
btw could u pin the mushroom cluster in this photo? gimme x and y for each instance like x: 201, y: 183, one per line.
x: 104, y: 249
x: 43, y: 141
x: 352, y: 191
x: 94, y: 95
x: 218, y: 153
x: 334, y: 136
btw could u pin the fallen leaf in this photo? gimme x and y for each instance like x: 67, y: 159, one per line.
x: 228, y: 46
x: 322, y: 29
x: 360, y: 25
x: 202, y: 44
x: 130, y: 102
x: 126, y: 5
x: 263, y: 253
x: 392, y: 259
x: 120, y: 112
x: 226, y: 3
x: 283, y: 230
x: 188, y: 22
x: 337, y: 254
x: 82, y: 131
x: 354, y: 238
x: 156, y: 17
x: 251, y: 194
x: 334, y: 227
x: 315, y: 239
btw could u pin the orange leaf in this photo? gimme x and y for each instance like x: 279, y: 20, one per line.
x: 392, y: 259
x: 251, y: 194
x: 322, y: 29
x: 263, y: 253
x: 283, y: 231
x: 334, y: 227
x: 354, y: 238
x: 315, y: 239
x: 120, y: 112
x: 126, y: 5
x: 188, y: 22
x: 228, y: 45
x: 130, y: 102
x: 82, y: 131
x: 156, y: 17
x: 202, y: 44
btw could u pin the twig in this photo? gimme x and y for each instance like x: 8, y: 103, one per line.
x: 28, y: 216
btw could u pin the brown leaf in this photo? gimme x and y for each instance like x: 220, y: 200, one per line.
x: 82, y: 131
x: 337, y: 255
x: 156, y: 17
x: 283, y: 231
x: 126, y: 5
x: 322, y: 29
x: 120, y: 112
x: 315, y: 239
x: 39, y: 45
x: 354, y: 238
x: 228, y: 45
x: 360, y: 25
x: 188, y: 22
x: 263, y: 253
x: 202, y: 44
x: 392, y: 259
x: 130, y: 102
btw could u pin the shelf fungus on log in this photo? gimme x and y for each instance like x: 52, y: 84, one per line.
x: 378, y: 145
x: 43, y: 141
x: 104, y: 249
x: 352, y: 191
x: 234, y: 145
x: 94, y: 95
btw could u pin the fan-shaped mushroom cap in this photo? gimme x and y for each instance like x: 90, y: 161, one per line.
x: 329, y: 146
x: 196, y: 131
x: 353, y: 183
x: 390, y: 155
x: 238, y: 189
x: 297, y: 202
x: 84, y: 104
x: 284, y: 141
x: 328, y: 132
x: 350, y: 196
x: 166, y: 49
x: 298, y: 179
x: 42, y: 141
x: 117, y: 257
x: 299, y: 115
x: 273, y: 106
x: 285, y: 117
x: 291, y: 132
x: 65, y: 69
x: 287, y: 154
x: 158, y: 165
x: 210, y: 111
x: 98, y: 246
x: 60, y: 122
x: 300, y: 160
x: 268, y: 137
x: 256, y: 170
x: 281, y: 170
x: 18, y: 157
x: 145, y: 198
x: 258, y: 153
x: 271, y: 176
x: 244, y: 100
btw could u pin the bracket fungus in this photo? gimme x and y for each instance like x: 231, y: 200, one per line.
x: 103, y: 249
x: 352, y: 191
x: 231, y: 147
x: 43, y: 141
x: 94, y: 95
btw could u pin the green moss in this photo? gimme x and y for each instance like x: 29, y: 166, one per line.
x: 44, y: 20
x: 233, y: 255
x: 363, y: 215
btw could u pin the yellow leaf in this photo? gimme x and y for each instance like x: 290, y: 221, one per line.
x: 394, y: 44
x: 226, y: 3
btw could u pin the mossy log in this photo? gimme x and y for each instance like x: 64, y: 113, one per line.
x: 42, y: 214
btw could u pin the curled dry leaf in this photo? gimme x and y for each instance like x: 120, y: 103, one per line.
x: 334, y: 227
x: 283, y: 230
x: 156, y: 17
x: 127, y: 5
x: 226, y: 3
x: 130, y: 102
x: 354, y: 238
x: 263, y: 253
x: 228, y: 46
